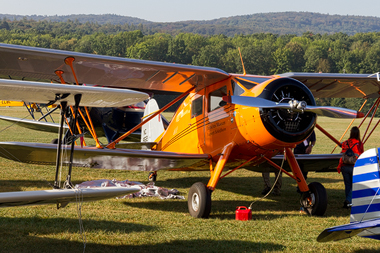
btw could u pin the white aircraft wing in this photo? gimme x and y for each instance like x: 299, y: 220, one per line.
x: 62, y: 196
x: 43, y: 93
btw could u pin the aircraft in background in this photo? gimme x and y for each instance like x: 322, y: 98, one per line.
x: 226, y: 121
x: 108, y: 122
x: 365, y: 211
x: 68, y: 96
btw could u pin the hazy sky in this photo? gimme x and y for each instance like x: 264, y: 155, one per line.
x: 179, y: 10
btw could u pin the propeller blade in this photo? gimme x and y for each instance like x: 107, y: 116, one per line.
x: 328, y: 111
x: 334, y: 112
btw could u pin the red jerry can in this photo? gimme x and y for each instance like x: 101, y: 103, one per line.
x: 243, y: 213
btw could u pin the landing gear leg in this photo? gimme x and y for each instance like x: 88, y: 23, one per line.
x: 199, y: 198
x: 199, y: 201
x: 314, y: 201
x: 314, y: 196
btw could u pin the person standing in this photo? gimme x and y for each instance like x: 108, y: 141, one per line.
x: 305, y: 147
x: 357, y: 147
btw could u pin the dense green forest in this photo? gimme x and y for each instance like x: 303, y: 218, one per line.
x: 263, y: 53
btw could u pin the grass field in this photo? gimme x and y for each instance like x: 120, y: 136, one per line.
x: 154, y: 225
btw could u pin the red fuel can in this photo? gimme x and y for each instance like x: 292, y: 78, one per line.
x: 243, y: 213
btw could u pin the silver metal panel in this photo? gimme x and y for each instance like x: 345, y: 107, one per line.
x: 43, y: 93
x: 62, y: 196
x: 33, y: 124
x: 311, y: 162
x: 120, y: 159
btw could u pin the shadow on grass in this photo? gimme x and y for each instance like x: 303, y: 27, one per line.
x: 24, y: 226
x: 37, y: 244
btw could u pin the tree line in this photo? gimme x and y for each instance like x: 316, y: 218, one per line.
x: 263, y: 53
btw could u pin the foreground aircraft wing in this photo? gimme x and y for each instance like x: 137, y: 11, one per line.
x: 44, y: 93
x: 347, y: 230
x: 330, y: 85
x: 34, y: 124
x: 62, y: 196
x: 41, y: 64
x: 120, y: 159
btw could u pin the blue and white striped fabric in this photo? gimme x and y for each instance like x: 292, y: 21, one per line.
x: 365, y: 191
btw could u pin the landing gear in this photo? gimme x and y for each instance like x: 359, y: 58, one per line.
x: 199, y: 201
x: 152, y: 176
x: 315, y: 201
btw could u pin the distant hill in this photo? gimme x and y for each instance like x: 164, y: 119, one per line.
x: 276, y: 22
x: 82, y: 18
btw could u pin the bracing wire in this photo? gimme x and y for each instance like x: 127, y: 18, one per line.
x: 274, y: 184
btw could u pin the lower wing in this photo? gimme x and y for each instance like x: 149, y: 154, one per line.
x: 62, y: 197
x: 121, y: 159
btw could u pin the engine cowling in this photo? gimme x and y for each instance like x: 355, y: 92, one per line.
x: 284, y: 124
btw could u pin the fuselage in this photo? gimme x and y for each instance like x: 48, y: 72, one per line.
x: 205, y: 124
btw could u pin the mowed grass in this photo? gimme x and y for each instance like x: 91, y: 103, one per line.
x: 154, y: 225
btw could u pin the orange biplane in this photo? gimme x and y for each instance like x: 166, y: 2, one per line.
x: 226, y: 121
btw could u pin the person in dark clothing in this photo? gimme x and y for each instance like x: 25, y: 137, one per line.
x: 305, y: 147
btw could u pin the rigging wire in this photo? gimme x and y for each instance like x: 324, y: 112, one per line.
x: 274, y: 184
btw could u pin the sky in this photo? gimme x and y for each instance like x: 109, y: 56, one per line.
x: 181, y: 10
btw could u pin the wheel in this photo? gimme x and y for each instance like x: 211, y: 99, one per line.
x: 315, y: 201
x: 152, y: 176
x: 199, y: 201
x: 54, y: 141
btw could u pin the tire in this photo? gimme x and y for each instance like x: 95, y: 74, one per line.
x: 199, y: 201
x: 152, y: 177
x: 315, y: 201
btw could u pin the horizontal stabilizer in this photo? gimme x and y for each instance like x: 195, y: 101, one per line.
x: 62, y: 196
x: 34, y: 124
x: 44, y: 93
x: 346, y: 231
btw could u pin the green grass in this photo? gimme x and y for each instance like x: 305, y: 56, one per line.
x: 154, y: 225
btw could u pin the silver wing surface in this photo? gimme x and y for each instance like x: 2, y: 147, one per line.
x: 62, y: 196
x: 120, y: 159
x: 34, y: 124
x: 311, y: 162
x: 44, y: 93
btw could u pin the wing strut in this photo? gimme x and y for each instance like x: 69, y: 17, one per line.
x: 69, y: 61
x: 63, y: 111
x: 112, y: 144
x: 77, y: 98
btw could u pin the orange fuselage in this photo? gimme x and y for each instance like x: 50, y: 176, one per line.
x: 202, y: 126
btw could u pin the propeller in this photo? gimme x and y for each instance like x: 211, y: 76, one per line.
x: 294, y: 106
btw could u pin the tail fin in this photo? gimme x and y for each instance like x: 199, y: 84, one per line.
x: 151, y: 130
x: 365, y: 210
x: 366, y: 191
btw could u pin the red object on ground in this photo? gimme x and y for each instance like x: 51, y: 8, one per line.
x: 243, y: 213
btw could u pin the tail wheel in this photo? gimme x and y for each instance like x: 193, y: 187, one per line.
x: 152, y: 176
x: 315, y: 201
x: 199, y: 201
